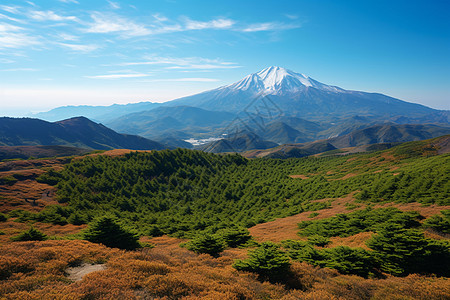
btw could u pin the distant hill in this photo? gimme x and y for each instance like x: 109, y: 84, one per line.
x: 378, y: 137
x: 165, y: 121
x: 76, y: 132
x: 389, y: 133
x: 101, y: 114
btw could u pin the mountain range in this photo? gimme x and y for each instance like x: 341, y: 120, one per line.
x: 274, y: 105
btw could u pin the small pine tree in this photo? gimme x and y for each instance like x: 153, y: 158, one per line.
x: 235, y: 237
x: 107, y: 231
x: 208, y: 243
x: 318, y: 240
x: 267, y: 260
x: 31, y: 234
x: 404, y: 251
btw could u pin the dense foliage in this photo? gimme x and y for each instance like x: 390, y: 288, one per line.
x: 107, y: 231
x: 268, y: 261
x: 402, y: 251
x: 439, y: 223
x: 183, y: 192
x: 359, y: 221
x: 398, y: 248
x: 344, y: 259
x: 31, y: 234
x: 208, y: 243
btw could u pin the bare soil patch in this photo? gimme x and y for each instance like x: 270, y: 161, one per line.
x: 77, y: 273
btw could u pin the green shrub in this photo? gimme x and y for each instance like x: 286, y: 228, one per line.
x: 268, y: 261
x: 155, y: 231
x: 235, y: 237
x: 349, y: 261
x: 440, y: 222
x: 76, y: 219
x: 107, y: 231
x: 318, y: 240
x: 404, y: 251
x: 208, y: 243
x: 31, y: 234
x: 368, y: 219
x: 314, y: 214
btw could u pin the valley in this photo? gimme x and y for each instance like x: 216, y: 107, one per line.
x: 188, y: 195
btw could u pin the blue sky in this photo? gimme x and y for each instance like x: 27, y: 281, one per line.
x: 100, y: 52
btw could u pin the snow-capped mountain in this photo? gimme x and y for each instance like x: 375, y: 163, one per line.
x: 298, y: 95
x: 276, y: 80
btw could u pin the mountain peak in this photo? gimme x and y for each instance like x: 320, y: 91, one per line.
x: 278, y: 80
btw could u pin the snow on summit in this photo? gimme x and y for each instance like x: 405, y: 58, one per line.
x: 279, y: 80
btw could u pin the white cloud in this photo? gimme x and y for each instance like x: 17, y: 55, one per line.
x: 10, y: 9
x: 187, y: 79
x: 118, y: 76
x: 2, y: 16
x: 114, y: 5
x: 11, y: 36
x: 292, y: 17
x: 49, y: 16
x: 269, y: 26
x: 160, y: 18
x: 213, y: 24
x: 79, y: 47
x: 20, y: 70
x: 114, y: 24
x: 6, y: 61
x: 197, y: 63
x: 69, y: 1
x: 5, y: 27
x: 66, y: 37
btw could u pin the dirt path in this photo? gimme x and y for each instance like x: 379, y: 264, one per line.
x: 77, y: 273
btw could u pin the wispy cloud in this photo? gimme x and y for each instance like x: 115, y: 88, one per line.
x: 66, y: 37
x: 69, y: 1
x: 12, y: 36
x: 6, y: 61
x: 79, y: 47
x: 213, y: 24
x: 20, y: 70
x: 49, y: 16
x: 269, y: 26
x: 187, y: 79
x: 118, y: 76
x: 114, y: 5
x: 10, y: 9
x: 292, y: 17
x: 113, y: 24
x: 198, y: 63
x: 5, y: 17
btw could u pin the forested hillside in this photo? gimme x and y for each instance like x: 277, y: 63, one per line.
x: 185, y: 191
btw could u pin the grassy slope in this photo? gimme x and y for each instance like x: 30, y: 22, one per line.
x: 38, y: 268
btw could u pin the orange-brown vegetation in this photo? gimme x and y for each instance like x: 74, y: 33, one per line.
x: 286, y: 228
x: 117, y: 152
x: 37, y: 270
x: 26, y: 193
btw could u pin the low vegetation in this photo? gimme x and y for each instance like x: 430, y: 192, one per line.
x: 118, y: 204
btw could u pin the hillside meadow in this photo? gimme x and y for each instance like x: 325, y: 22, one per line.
x: 371, y: 225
